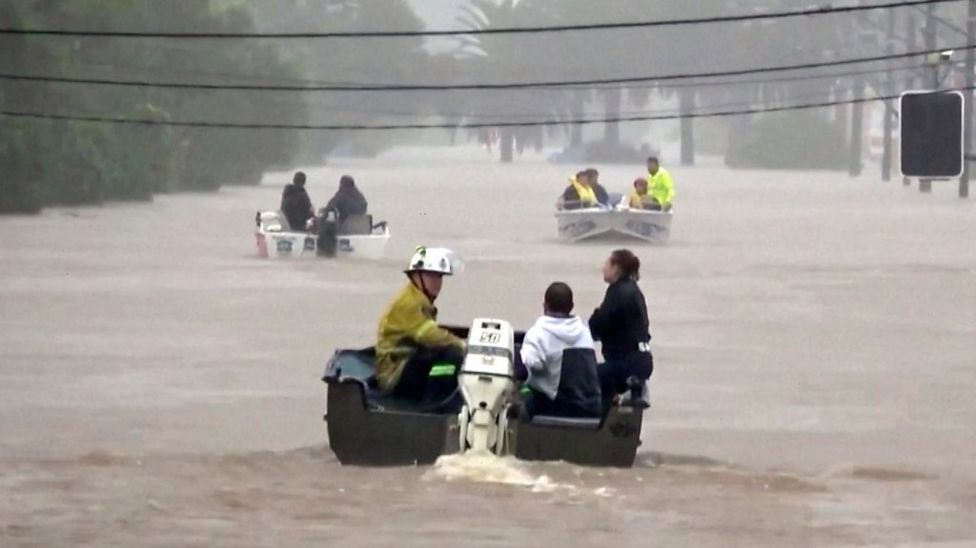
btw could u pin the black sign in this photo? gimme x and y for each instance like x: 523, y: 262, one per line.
x: 283, y: 246
x: 931, y: 134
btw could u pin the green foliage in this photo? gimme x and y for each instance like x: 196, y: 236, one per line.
x: 790, y: 140
x: 18, y: 193
x: 60, y: 162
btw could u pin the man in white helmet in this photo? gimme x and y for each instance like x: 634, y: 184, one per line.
x: 415, y: 356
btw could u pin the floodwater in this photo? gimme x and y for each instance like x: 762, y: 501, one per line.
x: 815, y: 340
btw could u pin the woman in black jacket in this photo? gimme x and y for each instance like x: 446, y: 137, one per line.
x: 620, y: 324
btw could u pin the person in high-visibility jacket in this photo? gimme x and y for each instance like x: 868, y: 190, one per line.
x: 415, y: 358
x: 580, y: 193
x: 661, y: 187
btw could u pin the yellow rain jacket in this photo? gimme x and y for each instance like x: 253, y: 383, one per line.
x: 408, y: 323
x: 586, y: 193
x: 638, y: 200
x: 660, y: 186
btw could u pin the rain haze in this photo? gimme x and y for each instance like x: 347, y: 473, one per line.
x: 813, y: 311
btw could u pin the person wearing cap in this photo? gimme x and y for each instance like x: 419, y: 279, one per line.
x: 348, y: 200
x: 417, y: 359
x: 296, y: 206
x: 660, y: 184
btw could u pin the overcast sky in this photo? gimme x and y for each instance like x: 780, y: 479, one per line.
x: 439, y: 15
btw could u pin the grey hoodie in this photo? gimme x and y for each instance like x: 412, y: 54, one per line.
x: 542, y: 350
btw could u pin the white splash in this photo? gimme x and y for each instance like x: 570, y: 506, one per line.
x: 488, y: 468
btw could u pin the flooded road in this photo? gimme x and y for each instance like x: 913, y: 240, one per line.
x: 815, y: 341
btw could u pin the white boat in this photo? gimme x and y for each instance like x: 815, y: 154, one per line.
x: 576, y: 225
x: 356, y: 237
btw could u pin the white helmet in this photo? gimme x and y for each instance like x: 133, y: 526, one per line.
x: 439, y: 260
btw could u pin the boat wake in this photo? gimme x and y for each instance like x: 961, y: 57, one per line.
x: 487, y: 468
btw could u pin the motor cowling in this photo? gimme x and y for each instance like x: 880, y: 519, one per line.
x: 487, y: 383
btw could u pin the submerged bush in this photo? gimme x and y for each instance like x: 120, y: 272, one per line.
x: 790, y: 140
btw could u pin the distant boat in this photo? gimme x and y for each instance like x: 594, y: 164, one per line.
x: 356, y: 237
x: 620, y: 221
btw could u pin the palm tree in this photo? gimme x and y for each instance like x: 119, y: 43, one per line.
x: 499, y: 58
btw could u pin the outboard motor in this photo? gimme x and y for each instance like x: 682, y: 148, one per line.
x: 487, y: 383
x: 328, y: 234
x: 269, y: 221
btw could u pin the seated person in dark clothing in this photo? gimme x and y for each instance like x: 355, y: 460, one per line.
x: 602, y: 197
x: 348, y: 200
x: 621, y: 324
x: 546, y: 392
x: 295, y: 203
x: 579, y: 194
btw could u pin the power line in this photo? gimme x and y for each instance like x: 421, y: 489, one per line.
x: 677, y: 85
x: 481, y: 86
x: 393, y: 127
x: 813, y: 11
x: 333, y: 108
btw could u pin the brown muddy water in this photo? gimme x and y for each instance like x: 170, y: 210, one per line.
x: 815, y: 340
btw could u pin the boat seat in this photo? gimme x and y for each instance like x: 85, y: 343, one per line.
x: 359, y: 367
x: 566, y: 422
x: 578, y: 393
x: 355, y: 225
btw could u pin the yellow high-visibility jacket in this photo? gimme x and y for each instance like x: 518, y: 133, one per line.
x: 408, y: 323
x: 587, y: 195
x: 638, y: 200
x: 660, y: 186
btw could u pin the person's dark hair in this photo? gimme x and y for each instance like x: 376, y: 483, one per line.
x: 346, y: 181
x: 592, y: 172
x: 581, y: 174
x: 627, y: 262
x: 299, y: 178
x: 559, y: 298
x: 653, y: 159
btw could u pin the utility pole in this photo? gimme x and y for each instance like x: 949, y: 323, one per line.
x: 925, y: 185
x: 886, y: 152
x: 969, y: 102
x: 911, y: 31
x: 687, y: 103
x: 857, y: 127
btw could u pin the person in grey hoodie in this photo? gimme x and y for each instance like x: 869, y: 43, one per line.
x: 542, y: 349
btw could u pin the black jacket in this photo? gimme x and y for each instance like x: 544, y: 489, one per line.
x: 601, y: 194
x: 296, y: 206
x: 620, y: 322
x: 348, y: 200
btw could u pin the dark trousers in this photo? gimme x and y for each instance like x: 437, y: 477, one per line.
x: 427, y: 375
x: 615, y: 373
x: 536, y: 403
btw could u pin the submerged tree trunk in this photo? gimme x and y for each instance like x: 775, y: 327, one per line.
x: 576, y: 130
x: 687, y: 127
x: 614, y: 98
x: 740, y: 130
x: 507, y: 144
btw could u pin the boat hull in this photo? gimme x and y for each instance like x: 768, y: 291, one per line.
x: 591, y: 224
x: 370, y: 429
x: 294, y: 245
